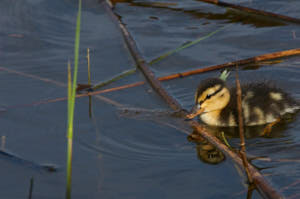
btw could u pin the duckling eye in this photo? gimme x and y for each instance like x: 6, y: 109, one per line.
x: 208, y: 96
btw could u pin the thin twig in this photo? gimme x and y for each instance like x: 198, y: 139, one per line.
x: 3, y: 142
x: 290, y: 185
x: 267, y: 159
x: 105, y: 99
x: 254, y: 11
x: 89, y: 66
x: 241, y: 126
x: 60, y: 84
x: 259, y: 58
x: 89, y: 80
x: 32, y: 76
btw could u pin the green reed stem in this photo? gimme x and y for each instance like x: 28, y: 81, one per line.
x: 69, y: 155
x: 225, y: 140
x: 69, y: 89
x: 71, y: 103
x: 115, y: 78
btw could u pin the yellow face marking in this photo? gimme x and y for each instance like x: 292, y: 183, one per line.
x: 211, y: 107
x: 216, y: 102
x: 207, y: 92
x: 210, y: 103
x: 276, y: 96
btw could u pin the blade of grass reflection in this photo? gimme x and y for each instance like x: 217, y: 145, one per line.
x: 26, y: 163
x: 31, y: 188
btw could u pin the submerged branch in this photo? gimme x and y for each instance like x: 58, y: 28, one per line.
x: 254, y: 11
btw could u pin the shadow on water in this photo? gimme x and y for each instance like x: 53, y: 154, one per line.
x: 229, y: 16
x: 27, y: 163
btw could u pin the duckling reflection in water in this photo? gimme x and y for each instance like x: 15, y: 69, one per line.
x: 208, y: 153
x: 262, y: 103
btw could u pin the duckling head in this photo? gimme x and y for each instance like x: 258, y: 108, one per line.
x: 212, y: 95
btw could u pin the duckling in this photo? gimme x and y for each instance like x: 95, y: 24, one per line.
x: 262, y: 103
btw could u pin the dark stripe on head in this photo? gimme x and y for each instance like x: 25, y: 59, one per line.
x: 209, y: 83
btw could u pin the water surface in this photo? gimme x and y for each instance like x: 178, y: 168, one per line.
x: 123, y: 151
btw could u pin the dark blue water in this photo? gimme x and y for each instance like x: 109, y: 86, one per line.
x: 123, y: 151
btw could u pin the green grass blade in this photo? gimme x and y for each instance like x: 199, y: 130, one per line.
x: 115, y: 78
x: 71, y: 102
x: 69, y: 169
x: 189, y: 44
x: 69, y: 89
x: 224, y: 75
x: 225, y: 140
x: 76, y: 58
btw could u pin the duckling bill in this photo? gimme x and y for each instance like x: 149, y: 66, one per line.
x: 262, y: 103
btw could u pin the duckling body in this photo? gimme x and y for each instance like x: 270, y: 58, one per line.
x: 262, y: 103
